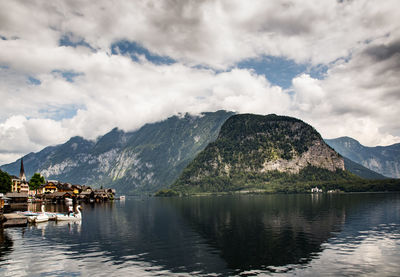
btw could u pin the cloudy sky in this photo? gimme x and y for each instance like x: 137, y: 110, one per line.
x: 72, y: 68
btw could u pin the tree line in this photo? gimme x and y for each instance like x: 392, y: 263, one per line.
x: 5, y: 182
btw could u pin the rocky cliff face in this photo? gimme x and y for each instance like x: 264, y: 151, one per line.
x: 382, y: 159
x: 132, y: 162
x: 318, y: 155
x: 262, y: 148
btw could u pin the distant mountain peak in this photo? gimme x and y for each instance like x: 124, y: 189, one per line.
x: 381, y: 159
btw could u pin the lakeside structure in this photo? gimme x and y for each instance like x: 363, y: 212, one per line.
x: 54, y: 191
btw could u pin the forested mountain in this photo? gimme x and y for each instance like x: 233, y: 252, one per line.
x: 269, y: 152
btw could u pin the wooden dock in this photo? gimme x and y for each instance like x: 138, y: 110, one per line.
x: 14, y: 220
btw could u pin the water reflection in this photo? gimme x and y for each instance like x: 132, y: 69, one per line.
x: 6, y: 244
x: 213, y: 236
x: 261, y: 231
x: 151, y: 232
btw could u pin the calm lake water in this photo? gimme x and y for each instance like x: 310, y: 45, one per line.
x: 306, y: 235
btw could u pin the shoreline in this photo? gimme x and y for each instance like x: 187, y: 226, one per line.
x: 261, y: 192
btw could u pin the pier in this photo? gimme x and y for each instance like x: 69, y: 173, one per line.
x: 14, y: 220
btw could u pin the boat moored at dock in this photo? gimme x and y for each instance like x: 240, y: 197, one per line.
x: 70, y: 216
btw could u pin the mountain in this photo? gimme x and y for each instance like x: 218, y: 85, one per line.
x: 382, y: 159
x: 132, y: 162
x: 266, y: 152
x: 361, y: 171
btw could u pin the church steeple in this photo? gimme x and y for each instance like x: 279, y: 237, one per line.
x: 22, y: 176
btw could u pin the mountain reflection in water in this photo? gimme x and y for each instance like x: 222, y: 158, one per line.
x: 260, y: 231
x: 226, y: 235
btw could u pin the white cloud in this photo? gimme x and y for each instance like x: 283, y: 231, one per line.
x: 358, y: 97
x: 216, y: 33
x: 357, y: 40
x: 115, y: 91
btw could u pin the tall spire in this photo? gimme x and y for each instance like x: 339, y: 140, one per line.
x: 22, y: 176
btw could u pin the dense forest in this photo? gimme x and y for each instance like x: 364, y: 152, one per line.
x: 5, y: 182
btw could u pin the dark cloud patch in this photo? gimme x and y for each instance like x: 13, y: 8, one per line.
x: 290, y: 26
x: 384, y: 61
x: 179, y: 15
x: 183, y: 22
x: 393, y: 94
x: 384, y: 52
x: 353, y: 109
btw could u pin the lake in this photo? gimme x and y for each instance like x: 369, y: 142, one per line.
x: 246, y: 235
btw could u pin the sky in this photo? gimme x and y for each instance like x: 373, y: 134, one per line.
x: 70, y: 68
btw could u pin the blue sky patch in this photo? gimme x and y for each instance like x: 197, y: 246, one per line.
x: 71, y: 41
x: 60, y: 113
x: 68, y: 75
x: 33, y: 81
x: 280, y: 71
x: 134, y: 49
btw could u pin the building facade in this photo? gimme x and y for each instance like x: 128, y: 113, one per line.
x: 20, y: 184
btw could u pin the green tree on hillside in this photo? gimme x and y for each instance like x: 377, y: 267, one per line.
x: 5, y: 182
x: 36, y: 181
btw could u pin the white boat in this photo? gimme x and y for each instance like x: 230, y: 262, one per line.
x: 122, y: 197
x: 42, y: 217
x: 31, y: 218
x: 36, y: 217
x: 71, y: 216
x: 52, y: 216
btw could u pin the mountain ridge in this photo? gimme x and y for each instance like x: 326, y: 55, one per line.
x: 140, y: 161
x: 132, y: 162
x: 384, y: 160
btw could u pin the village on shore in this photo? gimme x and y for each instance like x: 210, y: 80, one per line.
x: 53, y: 191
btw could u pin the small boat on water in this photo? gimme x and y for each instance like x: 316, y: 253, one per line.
x: 52, y: 216
x: 31, y: 218
x: 29, y: 215
x: 36, y: 217
x: 70, y: 216
x: 42, y: 217
x: 122, y: 197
